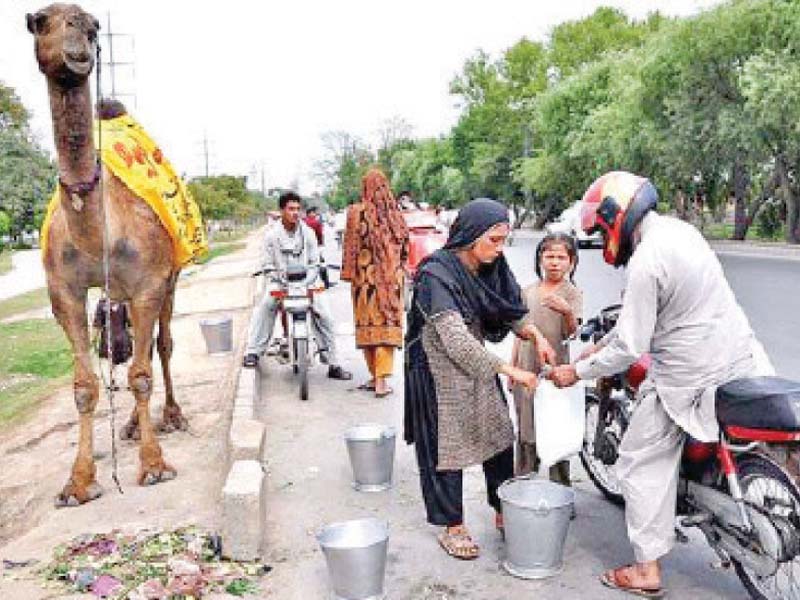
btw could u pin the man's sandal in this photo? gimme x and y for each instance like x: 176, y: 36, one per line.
x: 619, y: 579
x: 458, y: 544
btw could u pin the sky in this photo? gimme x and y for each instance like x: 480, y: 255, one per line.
x: 257, y: 83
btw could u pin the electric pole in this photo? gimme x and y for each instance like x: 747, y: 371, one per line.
x: 113, y: 64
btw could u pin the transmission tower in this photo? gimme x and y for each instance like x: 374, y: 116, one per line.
x: 111, y: 62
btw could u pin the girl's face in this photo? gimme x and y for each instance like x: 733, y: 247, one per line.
x: 556, y: 262
x: 489, y: 246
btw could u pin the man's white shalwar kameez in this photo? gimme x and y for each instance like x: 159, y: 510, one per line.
x: 678, y: 307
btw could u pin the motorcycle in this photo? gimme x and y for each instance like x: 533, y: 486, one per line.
x: 295, y: 298
x: 739, y: 491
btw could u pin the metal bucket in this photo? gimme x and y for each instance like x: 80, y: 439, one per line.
x: 371, y: 450
x: 218, y: 334
x: 536, y: 513
x: 356, y: 555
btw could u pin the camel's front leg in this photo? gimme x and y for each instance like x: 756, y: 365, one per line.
x: 70, y: 311
x: 153, y: 468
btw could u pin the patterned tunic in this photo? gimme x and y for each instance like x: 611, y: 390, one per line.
x: 473, y: 419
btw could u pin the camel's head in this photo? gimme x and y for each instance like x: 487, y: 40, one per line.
x: 66, y: 42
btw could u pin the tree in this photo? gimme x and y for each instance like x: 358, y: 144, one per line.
x: 27, y: 180
x: 345, y: 161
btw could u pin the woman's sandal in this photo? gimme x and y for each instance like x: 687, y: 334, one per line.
x: 384, y: 393
x: 619, y: 579
x: 459, y: 544
x: 499, y: 524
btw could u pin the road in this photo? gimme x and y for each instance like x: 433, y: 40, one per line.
x: 26, y: 274
x: 309, y: 477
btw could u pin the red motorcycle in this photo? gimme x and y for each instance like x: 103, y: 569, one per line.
x: 424, y: 238
x: 738, y: 491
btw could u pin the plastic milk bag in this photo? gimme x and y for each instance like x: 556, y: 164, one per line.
x: 559, y: 421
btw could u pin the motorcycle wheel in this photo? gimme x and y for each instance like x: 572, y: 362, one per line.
x: 768, y: 487
x: 301, y: 354
x: 601, y: 474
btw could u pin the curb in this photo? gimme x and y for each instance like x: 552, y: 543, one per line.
x: 243, y: 493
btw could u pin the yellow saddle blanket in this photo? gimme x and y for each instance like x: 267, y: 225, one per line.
x: 130, y: 154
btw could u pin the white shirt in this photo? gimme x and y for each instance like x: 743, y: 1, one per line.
x: 283, y: 248
x: 679, y: 307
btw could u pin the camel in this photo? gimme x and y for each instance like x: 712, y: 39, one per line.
x: 140, y: 252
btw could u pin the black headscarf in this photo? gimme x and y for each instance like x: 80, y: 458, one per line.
x: 491, y: 296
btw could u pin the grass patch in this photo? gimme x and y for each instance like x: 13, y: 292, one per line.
x: 5, y: 261
x: 35, y: 359
x: 724, y: 231
x: 24, y: 302
x: 217, y: 250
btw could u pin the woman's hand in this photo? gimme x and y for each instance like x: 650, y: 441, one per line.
x: 557, y: 303
x: 528, y: 332
x: 544, y: 351
x: 521, y: 377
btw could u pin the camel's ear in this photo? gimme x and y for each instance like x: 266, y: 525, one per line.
x: 36, y: 22
x: 96, y: 24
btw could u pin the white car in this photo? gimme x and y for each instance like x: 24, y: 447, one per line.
x: 569, y: 222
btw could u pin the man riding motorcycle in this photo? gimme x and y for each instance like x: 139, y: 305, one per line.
x: 291, y: 242
x: 679, y: 308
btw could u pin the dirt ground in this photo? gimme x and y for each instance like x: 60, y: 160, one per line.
x: 37, y: 455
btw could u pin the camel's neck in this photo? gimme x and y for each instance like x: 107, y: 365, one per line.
x: 72, y: 129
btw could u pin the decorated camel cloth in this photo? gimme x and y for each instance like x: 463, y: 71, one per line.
x: 132, y: 155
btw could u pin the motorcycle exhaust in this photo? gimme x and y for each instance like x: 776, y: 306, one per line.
x: 757, y: 547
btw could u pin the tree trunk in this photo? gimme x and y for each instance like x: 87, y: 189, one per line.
x: 542, y: 217
x: 741, y: 183
x: 792, y: 202
x: 793, y: 216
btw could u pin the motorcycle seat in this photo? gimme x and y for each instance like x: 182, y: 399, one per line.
x: 759, y: 403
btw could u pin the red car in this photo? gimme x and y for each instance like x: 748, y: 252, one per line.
x: 424, y: 237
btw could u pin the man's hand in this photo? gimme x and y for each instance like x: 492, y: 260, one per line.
x: 587, y: 352
x: 557, y: 303
x: 564, y: 376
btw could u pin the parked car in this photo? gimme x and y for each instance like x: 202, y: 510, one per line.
x: 569, y: 222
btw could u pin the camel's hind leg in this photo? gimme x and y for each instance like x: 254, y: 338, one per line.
x: 144, y: 311
x: 69, y: 308
x: 173, y: 419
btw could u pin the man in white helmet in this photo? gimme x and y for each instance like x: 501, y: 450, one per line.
x: 679, y: 308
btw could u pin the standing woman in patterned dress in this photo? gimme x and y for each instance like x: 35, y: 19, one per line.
x: 455, y: 410
x: 375, y: 246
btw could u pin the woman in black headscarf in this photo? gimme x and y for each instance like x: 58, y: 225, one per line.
x: 455, y: 410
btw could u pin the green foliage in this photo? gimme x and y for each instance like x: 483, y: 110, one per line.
x: 708, y: 107
x: 227, y: 197
x: 27, y: 179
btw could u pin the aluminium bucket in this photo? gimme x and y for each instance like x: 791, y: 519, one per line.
x: 218, y: 334
x: 536, y: 515
x: 371, y: 450
x: 356, y: 555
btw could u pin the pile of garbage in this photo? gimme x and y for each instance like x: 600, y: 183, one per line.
x: 148, y: 565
